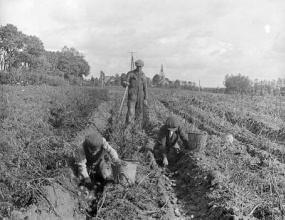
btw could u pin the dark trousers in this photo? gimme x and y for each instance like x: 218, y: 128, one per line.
x: 135, y: 105
x: 172, y: 153
x: 101, y: 170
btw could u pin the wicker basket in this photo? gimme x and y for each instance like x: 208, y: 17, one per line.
x: 197, y: 141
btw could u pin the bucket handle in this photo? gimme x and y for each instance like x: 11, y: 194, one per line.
x: 126, y: 175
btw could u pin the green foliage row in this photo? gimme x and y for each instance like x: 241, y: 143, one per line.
x: 30, y: 78
x: 22, y: 77
x: 37, y: 127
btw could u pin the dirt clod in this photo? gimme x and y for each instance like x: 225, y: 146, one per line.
x: 177, y: 212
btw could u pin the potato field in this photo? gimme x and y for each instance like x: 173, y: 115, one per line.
x: 239, y: 175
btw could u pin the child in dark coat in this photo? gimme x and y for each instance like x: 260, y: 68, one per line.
x: 168, y: 137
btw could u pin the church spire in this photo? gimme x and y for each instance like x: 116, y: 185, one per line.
x: 161, y: 72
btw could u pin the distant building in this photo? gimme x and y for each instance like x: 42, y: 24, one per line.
x: 161, y: 74
x: 183, y: 83
x: 163, y: 82
x: 105, y: 80
x: 110, y: 79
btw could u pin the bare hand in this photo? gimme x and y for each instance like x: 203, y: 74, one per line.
x: 89, y: 184
x: 87, y: 180
x: 145, y: 102
x: 165, y: 162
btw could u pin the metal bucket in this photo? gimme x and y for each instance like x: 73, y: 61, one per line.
x: 125, y: 174
x: 197, y: 141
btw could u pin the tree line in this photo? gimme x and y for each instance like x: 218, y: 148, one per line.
x: 161, y: 81
x: 24, y: 58
x: 156, y: 81
x: 243, y: 85
x: 22, y: 55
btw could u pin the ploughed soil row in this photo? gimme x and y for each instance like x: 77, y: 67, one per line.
x: 221, y: 183
x: 250, y: 170
x: 250, y: 127
x: 216, y: 126
x: 179, y: 192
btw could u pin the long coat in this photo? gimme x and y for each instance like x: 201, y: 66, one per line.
x: 137, y: 88
x: 166, y: 142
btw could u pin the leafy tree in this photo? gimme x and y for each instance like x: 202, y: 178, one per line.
x: 237, y: 84
x: 96, y: 81
x: 149, y: 81
x: 33, y: 55
x: 123, y: 78
x: 93, y: 80
x: 17, y: 49
x: 52, y: 58
x: 155, y: 79
x: 281, y: 82
x: 71, y: 62
x: 177, y: 84
x: 117, y: 80
x: 11, y: 41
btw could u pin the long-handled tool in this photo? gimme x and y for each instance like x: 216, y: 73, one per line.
x: 123, y: 100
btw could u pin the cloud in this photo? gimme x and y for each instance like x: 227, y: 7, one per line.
x: 279, y: 43
x: 192, y: 39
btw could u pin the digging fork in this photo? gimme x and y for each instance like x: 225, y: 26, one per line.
x: 123, y: 100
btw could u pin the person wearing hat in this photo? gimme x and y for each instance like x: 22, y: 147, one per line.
x: 137, y: 94
x: 89, y: 158
x: 168, y: 137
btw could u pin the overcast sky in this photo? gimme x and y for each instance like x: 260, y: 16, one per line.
x: 193, y: 39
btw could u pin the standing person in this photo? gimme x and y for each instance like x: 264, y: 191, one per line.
x: 168, y: 136
x: 89, y: 158
x: 137, y: 94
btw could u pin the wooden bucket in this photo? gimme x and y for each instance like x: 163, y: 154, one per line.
x: 197, y: 141
x: 125, y: 174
